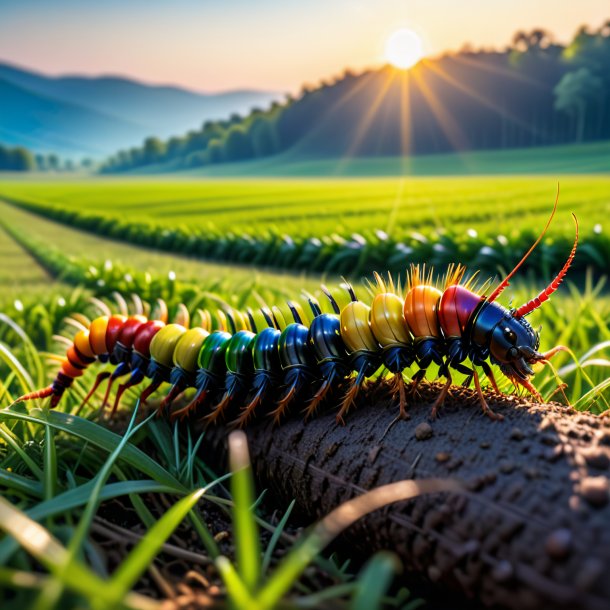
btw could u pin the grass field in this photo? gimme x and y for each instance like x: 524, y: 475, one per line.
x: 20, y: 274
x: 552, y: 160
x: 313, y: 208
x: 80, y: 246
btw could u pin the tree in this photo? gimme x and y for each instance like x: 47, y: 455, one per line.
x: 154, y: 150
x: 263, y: 137
x: 575, y: 93
x: 237, y: 144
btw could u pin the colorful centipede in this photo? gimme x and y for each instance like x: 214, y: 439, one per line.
x: 240, y: 372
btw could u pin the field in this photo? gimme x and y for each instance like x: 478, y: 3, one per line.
x: 65, y: 241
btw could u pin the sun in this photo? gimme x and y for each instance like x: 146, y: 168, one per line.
x: 404, y: 48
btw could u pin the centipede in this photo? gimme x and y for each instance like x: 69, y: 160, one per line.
x: 263, y: 363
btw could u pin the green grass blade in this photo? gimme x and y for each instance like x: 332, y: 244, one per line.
x: 37, y: 541
x: 19, y: 483
x: 275, y: 537
x: 94, y: 500
x: 100, y: 437
x: 236, y: 589
x: 374, y: 581
x: 14, y: 365
x: 247, y: 541
x: 50, y: 463
x: 147, y: 549
x: 15, y: 445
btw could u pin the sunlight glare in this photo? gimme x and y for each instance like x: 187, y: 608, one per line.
x: 404, y: 49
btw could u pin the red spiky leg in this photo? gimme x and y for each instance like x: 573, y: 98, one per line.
x: 486, y: 409
x: 96, y: 384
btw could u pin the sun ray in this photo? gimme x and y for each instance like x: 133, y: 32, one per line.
x: 365, y: 123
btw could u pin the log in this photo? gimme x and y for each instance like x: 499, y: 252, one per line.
x: 530, y: 531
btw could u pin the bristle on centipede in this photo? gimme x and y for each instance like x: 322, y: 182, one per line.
x: 453, y: 275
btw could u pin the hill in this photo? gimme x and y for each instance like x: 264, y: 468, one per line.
x: 111, y: 112
x: 535, y: 94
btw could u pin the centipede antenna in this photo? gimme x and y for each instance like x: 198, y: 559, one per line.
x: 505, y: 282
x: 252, y: 322
x: 121, y: 303
x: 526, y: 309
x: 331, y: 298
x: 295, y: 313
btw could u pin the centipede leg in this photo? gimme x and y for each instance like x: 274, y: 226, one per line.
x: 135, y: 379
x: 484, y: 405
x: 96, y: 384
x: 416, y: 380
x: 527, y: 384
x: 441, y: 397
x: 490, y: 375
x: 320, y: 395
x: 399, y: 389
x: 350, y: 397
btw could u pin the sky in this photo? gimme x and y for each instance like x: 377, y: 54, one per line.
x: 217, y: 45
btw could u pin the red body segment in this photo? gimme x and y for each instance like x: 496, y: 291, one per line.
x: 144, y: 335
x: 128, y: 331
x: 455, y: 309
x: 115, y: 324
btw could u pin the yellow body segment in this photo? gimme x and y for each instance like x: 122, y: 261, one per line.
x: 97, y: 335
x: 388, y: 320
x: 188, y: 348
x: 81, y: 342
x: 356, y: 328
x: 421, y: 307
x: 164, y: 343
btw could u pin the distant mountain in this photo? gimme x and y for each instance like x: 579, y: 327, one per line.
x: 77, y: 115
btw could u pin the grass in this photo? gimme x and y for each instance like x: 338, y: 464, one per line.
x: 312, y: 208
x: 556, y: 160
x: 20, y: 273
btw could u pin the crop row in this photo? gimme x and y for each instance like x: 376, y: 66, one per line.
x: 354, y: 255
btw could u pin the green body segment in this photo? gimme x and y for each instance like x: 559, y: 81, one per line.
x: 188, y: 348
x: 212, y: 354
x: 164, y: 343
x: 238, y: 356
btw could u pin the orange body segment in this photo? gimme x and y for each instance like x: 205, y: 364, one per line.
x: 421, y: 307
x: 81, y: 342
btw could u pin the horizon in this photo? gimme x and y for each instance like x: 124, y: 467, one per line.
x: 361, y: 48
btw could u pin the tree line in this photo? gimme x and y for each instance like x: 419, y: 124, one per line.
x: 20, y: 159
x: 535, y: 92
